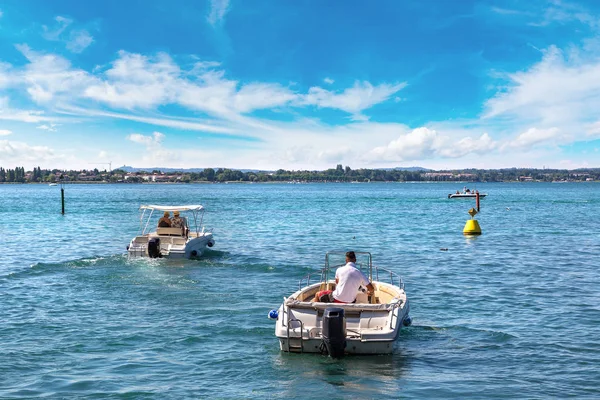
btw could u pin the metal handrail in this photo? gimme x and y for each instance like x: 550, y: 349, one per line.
x: 324, y: 272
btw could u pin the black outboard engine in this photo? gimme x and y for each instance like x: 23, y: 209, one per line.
x: 334, y: 331
x: 154, y: 247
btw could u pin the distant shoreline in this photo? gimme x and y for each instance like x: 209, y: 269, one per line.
x: 269, y: 182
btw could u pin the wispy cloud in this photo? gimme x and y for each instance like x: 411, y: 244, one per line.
x: 218, y: 9
x: 562, y: 90
x: 48, y: 127
x: 328, y: 81
x: 75, y: 40
x: 79, y: 40
x: 5, y: 132
x: 543, y: 105
x: 54, y: 33
x: 354, y: 100
x: 546, y: 13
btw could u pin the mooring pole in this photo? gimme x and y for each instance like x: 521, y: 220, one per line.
x: 62, y: 193
x: 477, y: 199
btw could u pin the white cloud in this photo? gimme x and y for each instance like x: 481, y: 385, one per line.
x: 328, y: 81
x: 137, y: 81
x: 48, y: 75
x: 534, y: 136
x: 75, y: 40
x: 30, y: 116
x: 102, y: 154
x: 155, y: 152
x: 54, y: 33
x: 354, y: 100
x: 155, y: 139
x: 561, y: 12
x: 48, y: 127
x: 5, y: 76
x: 5, y: 132
x: 138, y: 85
x: 79, y: 40
x: 557, y: 89
x: 260, y: 96
x: 423, y: 143
x: 417, y: 144
x: 19, y: 152
x: 218, y: 9
x: 468, y: 145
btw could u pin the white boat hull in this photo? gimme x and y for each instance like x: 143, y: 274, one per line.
x: 465, y: 196
x: 370, y: 328
x: 353, y: 346
x: 172, y: 246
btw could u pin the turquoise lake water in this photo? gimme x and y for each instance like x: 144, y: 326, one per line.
x: 514, y: 313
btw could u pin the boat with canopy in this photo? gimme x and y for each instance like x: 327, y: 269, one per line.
x: 188, y: 241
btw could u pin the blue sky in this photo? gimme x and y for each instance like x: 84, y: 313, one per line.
x: 300, y: 84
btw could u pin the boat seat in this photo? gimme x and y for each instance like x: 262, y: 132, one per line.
x: 140, y: 240
x: 169, y: 231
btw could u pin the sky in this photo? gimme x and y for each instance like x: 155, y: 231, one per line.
x: 300, y: 84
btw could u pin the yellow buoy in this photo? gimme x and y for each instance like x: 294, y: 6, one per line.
x: 472, y: 226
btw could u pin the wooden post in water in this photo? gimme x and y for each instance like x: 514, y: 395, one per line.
x: 62, y: 194
x: 477, y: 199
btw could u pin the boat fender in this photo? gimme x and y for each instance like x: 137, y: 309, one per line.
x: 193, y: 253
x: 273, y: 314
x: 211, y: 243
x: 407, y: 321
x: 334, y: 332
x: 127, y: 248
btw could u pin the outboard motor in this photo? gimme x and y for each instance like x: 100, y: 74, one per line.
x: 334, y: 331
x: 154, y: 248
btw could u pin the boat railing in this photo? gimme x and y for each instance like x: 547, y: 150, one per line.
x: 380, y: 274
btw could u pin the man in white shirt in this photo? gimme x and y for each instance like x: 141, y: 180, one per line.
x: 348, y: 279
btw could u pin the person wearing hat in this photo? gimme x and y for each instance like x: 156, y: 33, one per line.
x: 164, y: 222
x: 178, y: 222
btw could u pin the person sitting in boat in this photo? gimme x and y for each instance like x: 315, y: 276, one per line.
x: 164, y: 222
x: 348, y: 280
x: 178, y: 222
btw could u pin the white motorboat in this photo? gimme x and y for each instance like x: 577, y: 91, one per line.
x: 185, y: 242
x: 466, y: 194
x: 370, y: 325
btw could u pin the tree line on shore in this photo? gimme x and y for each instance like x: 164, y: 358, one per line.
x: 338, y: 174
